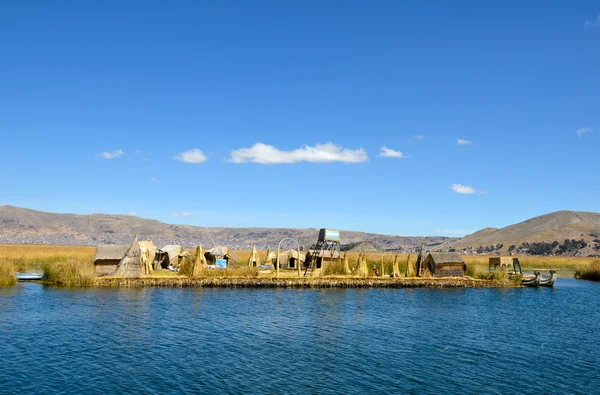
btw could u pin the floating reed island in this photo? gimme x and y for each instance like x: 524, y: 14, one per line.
x: 302, y: 282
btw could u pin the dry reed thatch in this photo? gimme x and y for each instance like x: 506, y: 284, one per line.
x: 131, y: 264
x: 411, y: 268
x: 346, y: 264
x: 395, y: 270
x: 199, y: 264
x: 300, y: 282
x: 253, y: 260
x: 362, y: 269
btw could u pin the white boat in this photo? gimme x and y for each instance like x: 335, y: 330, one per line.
x: 28, y: 276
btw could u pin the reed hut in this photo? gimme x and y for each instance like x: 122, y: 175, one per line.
x: 290, y: 259
x: 270, y: 258
x: 324, y: 257
x: 502, y: 262
x: 444, y: 264
x: 107, y: 258
x: 131, y: 264
x: 220, y: 256
x: 168, y: 255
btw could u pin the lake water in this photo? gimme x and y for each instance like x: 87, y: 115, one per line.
x: 56, y: 340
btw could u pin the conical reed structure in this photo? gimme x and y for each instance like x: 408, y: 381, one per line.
x: 346, y: 264
x: 395, y: 270
x: 411, y: 270
x: 131, y: 264
x: 199, y: 262
x: 268, y: 260
x: 363, y: 271
x: 253, y: 260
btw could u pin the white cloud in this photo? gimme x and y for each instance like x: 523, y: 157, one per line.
x: 463, y: 142
x: 320, y: 153
x: 390, y: 153
x: 593, y: 23
x: 182, y: 214
x: 152, y: 179
x: 191, y: 156
x: 112, y: 155
x: 458, y: 188
x: 581, y: 131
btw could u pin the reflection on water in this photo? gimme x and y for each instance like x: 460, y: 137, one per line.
x: 182, y: 340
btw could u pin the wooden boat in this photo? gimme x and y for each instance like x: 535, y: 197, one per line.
x: 532, y: 281
x: 28, y: 276
x: 548, y: 281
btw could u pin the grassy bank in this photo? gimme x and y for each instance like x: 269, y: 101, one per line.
x: 7, y: 273
x: 70, y: 273
x: 32, y: 257
x: 591, y: 272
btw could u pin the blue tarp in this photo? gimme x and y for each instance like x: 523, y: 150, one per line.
x: 221, y: 263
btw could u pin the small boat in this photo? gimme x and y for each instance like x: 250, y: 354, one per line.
x: 532, y: 281
x: 28, y: 276
x: 548, y: 281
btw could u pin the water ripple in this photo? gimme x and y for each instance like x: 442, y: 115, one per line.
x: 56, y: 340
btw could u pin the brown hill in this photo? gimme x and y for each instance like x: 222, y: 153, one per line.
x: 25, y: 226
x: 556, y: 226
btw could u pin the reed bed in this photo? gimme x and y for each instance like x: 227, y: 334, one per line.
x: 7, y: 273
x: 591, y: 272
x: 537, y: 262
x: 70, y: 273
x: 29, y: 256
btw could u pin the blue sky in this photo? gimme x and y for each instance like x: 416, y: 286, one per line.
x: 275, y: 114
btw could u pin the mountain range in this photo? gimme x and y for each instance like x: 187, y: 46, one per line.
x: 26, y: 226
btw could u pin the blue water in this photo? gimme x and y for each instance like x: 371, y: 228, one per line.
x: 56, y: 340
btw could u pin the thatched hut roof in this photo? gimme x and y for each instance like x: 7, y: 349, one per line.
x: 172, y: 252
x: 131, y: 264
x: 445, y: 257
x: 218, y: 251
x: 110, y: 252
x: 287, y: 255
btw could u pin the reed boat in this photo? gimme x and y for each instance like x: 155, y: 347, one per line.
x: 532, y: 281
x: 548, y: 281
x: 28, y: 276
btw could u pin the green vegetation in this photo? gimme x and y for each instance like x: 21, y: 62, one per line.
x: 481, y: 273
x: 554, y: 248
x: 70, y: 273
